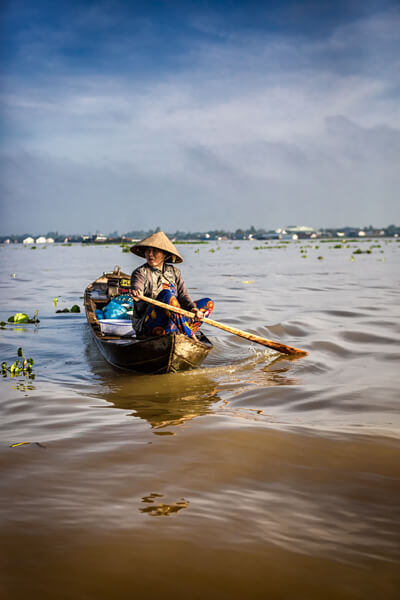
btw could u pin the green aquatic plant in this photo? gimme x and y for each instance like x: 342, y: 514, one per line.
x: 269, y: 247
x: 19, y: 318
x: 190, y: 242
x: 359, y: 251
x: 20, y: 366
x: 320, y: 257
x: 74, y: 309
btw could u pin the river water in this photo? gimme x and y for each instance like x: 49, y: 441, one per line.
x: 254, y: 476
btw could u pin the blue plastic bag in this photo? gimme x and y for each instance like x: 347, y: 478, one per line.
x: 123, y: 299
x: 114, y: 310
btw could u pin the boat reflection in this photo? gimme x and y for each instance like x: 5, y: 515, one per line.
x: 163, y: 400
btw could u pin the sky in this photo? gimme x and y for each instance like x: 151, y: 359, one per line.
x: 198, y: 115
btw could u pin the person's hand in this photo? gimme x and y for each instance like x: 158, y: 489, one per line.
x: 198, y: 314
x: 135, y: 295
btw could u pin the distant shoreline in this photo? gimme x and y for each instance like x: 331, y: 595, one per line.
x: 180, y: 237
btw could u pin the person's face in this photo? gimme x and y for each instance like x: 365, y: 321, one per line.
x: 155, y: 258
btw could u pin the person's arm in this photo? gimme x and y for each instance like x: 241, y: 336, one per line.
x: 137, y: 283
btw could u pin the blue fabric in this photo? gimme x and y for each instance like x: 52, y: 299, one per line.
x: 159, y: 321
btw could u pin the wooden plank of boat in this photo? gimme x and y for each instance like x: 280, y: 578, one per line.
x: 160, y: 354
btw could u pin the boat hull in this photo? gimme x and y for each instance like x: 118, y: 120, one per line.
x: 163, y: 354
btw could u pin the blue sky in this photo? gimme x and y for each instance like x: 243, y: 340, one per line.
x: 198, y: 115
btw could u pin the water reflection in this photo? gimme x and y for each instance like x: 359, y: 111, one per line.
x: 163, y: 400
x: 170, y: 400
x: 173, y: 399
x: 162, y: 509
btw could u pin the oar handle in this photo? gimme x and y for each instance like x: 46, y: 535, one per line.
x: 244, y: 334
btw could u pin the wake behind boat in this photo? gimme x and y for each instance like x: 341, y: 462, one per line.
x: 159, y: 354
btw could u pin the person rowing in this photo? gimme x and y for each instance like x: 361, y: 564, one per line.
x: 160, y: 279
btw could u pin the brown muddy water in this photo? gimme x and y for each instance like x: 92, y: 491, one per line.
x: 252, y: 477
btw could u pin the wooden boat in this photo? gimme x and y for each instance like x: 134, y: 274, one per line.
x: 160, y: 354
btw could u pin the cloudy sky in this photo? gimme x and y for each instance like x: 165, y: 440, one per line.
x: 197, y: 115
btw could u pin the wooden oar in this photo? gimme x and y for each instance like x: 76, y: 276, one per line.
x: 248, y: 336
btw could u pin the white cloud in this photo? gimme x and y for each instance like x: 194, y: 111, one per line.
x: 269, y: 118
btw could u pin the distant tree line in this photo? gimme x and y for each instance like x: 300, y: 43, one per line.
x: 212, y: 234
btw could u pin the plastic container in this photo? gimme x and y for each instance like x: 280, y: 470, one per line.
x: 116, y: 326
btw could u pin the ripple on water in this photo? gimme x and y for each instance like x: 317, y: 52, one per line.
x: 330, y: 347
x: 362, y: 337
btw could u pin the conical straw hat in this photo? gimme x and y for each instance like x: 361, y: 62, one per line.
x: 161, y: 242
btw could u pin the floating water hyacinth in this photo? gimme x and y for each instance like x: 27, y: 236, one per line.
x: 23, y: 366
x: 74, y: 309
x: 20, y: 318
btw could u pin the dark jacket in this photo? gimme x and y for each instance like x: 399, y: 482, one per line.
x: 149, y: 282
